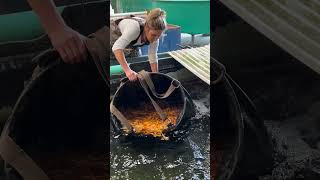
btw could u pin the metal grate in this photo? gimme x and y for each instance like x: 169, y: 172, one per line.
x: 196, y: 60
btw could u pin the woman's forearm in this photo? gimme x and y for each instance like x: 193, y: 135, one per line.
x: 154, y: 67
x: 132, y: 75
x: 121, y: 59
x: 69, y: 43
x: 49, y: 17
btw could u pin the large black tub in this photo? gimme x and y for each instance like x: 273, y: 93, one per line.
x: 132, y: 94
x: 58, y: 127
x: 242, y: 147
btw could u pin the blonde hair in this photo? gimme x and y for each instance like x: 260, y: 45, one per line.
x: 156, y: 19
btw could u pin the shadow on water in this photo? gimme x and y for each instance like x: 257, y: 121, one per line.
x: 187, y: 159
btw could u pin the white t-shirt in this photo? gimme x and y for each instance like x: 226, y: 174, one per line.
x: 130, y: 30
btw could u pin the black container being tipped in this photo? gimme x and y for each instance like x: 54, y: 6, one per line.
x: 132, y: 94
x: 243, y: 147
x: 58, y: 121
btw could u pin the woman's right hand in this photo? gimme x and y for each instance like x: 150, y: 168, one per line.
x: 69, y: 43
x: 132, y: 75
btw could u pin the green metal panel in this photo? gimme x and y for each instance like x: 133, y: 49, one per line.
x: 20, y: 26
x: 116, y: 70
x: 131, y: 6
x: 192, y: 15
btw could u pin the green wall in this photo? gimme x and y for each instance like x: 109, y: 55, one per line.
x: 20, y: 26
x: 192, y: 15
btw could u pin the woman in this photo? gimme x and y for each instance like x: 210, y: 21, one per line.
x: 130, y: 33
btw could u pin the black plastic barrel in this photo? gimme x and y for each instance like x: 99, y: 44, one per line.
x: 60, y: 113
x: 131, y: 94
x: 243, y: 147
